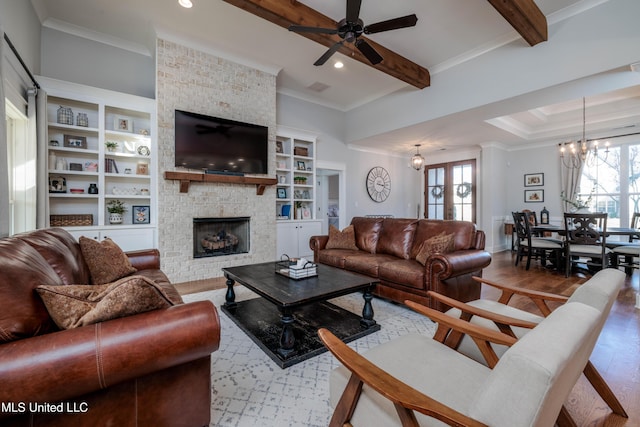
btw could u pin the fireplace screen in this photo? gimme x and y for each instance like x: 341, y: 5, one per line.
x: 220, y: 236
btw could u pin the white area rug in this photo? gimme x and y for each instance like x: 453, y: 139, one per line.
x: 250, y: 390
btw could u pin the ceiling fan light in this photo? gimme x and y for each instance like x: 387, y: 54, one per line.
x: 185, y: 3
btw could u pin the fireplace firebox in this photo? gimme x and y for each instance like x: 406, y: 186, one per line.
x: 220, y: 236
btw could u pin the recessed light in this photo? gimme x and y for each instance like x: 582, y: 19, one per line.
x: 185, y: 3
x: 338, y: 64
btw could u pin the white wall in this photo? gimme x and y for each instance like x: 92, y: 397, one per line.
x: 20, y: 22
x: 73, y: 59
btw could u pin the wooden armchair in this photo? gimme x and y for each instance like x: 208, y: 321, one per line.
x: 413, y: 379
x: 598, y: 292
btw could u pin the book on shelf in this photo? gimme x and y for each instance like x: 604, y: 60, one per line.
x: 110, y: 166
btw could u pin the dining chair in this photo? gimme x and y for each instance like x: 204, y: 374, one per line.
x: 626, y: 254
x: 585, y: 241
x: 534, y: 247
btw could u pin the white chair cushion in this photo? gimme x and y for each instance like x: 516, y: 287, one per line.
x: 587, y: 249
x: 425, y: 365
x: 469, y: 348
x: 627, y: 250
x: 545, y: 244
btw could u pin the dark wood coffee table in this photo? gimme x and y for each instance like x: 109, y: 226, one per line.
x: 284, y: 321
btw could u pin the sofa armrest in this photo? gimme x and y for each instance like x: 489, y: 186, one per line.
x: 70, y: 363
x: 317, y: 243
x: 457, y: 263
x: 146, y: 259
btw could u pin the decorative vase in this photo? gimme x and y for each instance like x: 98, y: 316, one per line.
x: 115, y: 218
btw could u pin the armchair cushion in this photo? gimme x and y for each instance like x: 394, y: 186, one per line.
x: 422, y: 363
x: 71, y: 306
x: 345, y: 239
x: 106, y: 261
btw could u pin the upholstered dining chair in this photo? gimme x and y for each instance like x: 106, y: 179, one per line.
x: 585, y: 241
x: 626, y: 254
x: 534, y: 247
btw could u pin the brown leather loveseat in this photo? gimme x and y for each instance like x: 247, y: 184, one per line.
x: 148, y: 369
x: 387, y: 249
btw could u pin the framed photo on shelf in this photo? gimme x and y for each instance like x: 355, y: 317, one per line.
x: 123, y: 124
x: 533, y: 179
x: 72, y: 141
x: 301, y: 166
x: 279, y: 147
x: 142, y: 169
x: 533, y: 196
x: 282, y: 193
x: 140, y: 215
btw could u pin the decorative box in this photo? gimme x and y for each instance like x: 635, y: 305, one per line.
x: 301, y: 151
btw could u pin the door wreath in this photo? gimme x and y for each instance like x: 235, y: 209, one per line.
x: 463, y: 190
x: 437, y: 192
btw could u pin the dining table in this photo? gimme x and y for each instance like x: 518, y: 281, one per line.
x: 632, y: 233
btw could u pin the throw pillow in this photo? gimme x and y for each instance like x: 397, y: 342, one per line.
x: 345, y: 239
x: 441, y: 243
x: 105, y: 260
x: 71, y: 306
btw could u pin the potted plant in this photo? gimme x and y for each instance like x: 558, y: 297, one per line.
x: 111, y: 145
x: 578, y: 205
x: 116, y: 208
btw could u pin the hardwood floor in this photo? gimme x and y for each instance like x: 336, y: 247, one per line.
x: 616, y: 355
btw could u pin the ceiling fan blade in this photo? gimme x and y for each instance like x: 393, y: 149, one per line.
x: 303, y: 29
x: 368, y: 51
x: 391, y: 24
x: 353, y: 10
x: 328, y: 54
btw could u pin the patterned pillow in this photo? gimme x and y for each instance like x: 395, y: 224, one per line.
x: 105, y: 260
x: 345, y: 239
x: 442, y: 243
x: 72, y: 306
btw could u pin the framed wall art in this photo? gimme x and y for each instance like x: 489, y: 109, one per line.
x: 140, y: 215
x: 533, y: 196
x: 123, y: 124
x: 533, y: 179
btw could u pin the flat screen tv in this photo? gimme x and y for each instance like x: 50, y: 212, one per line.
x: 219, y: 145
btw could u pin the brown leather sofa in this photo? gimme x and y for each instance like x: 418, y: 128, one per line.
x: 149, y: 369
x: 387, y: 250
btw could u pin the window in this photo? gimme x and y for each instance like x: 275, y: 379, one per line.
x: 613, y: 183
x: 21, y: 173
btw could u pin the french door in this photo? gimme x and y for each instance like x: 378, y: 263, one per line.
x: 450, y: 191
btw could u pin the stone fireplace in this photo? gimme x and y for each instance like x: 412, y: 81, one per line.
x: 220, y: 236
x: 191, y: 79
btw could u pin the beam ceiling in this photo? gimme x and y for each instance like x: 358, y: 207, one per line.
x: 523, y: 15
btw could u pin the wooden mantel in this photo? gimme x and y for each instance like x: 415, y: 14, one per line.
x: 186, y: 178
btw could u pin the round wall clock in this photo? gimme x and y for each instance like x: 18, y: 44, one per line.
x: 378, y: 184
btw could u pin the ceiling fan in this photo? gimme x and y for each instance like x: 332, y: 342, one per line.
x: 351, y: 28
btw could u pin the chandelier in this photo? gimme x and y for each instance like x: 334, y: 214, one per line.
x: 417, y: 161
x: 574, y: 154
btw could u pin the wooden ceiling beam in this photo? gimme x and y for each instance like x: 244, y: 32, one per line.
x: 292, y: 12
x: 525, y: 17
